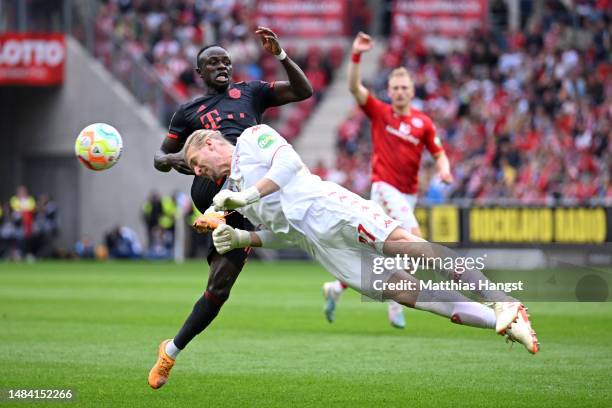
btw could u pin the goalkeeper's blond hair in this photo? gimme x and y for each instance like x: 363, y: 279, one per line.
x: 197, y: 139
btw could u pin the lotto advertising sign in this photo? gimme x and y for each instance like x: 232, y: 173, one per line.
x: 32, y: 59
x: 296, y: 18
x: 445, y: 18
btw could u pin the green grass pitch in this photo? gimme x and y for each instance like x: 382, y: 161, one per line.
x: 95, y: 328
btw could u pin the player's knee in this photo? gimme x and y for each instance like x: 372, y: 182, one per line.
x: 215, y: 299
x: 402, y: 235
x: 397, y: 240
x: 218, y: 292
x: 223, y: 274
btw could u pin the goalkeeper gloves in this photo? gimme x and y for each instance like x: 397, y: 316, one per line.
x: 226, y: 238
x: 230, y: 200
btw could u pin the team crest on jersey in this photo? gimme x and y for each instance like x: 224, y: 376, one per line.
x: 234, y: 93
x: 266, y: 140
x: 417, y: 122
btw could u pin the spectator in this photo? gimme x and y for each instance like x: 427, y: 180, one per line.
x: 46, y: 226
x: 7, y: 230
x: 84, y: 248
x: 122, y: 243
x: 159, y: 247
x: 23, y: 207
x: 151, y: 213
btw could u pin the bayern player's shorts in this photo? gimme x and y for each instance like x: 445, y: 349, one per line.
x: 344, y: 232
x: 395, y: 203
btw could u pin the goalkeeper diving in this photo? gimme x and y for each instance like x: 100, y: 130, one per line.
x: 268, y: 183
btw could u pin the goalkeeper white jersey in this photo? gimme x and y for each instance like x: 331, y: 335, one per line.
x: 253, y: 159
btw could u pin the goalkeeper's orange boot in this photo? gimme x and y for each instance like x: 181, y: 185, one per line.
x: 158, y: 375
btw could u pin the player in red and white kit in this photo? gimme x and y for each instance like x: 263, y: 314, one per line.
x: 400, y: 133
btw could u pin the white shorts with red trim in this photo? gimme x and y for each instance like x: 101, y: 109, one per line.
x: 395, y: 203
x: 345, y: 232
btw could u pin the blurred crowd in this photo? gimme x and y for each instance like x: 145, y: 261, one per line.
x: 28, y: 226
x: 524, y: 116
x: 169, y: 33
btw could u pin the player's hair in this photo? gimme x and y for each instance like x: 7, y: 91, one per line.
x: 197, y: 139
x: 204, y: 49
x: 400, y: 72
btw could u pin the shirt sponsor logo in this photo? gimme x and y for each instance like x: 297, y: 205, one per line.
x: 403, y: 133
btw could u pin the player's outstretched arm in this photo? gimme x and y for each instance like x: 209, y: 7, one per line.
x: 298, y: 87
x: 361, y: 44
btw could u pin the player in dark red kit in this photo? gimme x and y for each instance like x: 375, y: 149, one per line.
x: 230, y: 108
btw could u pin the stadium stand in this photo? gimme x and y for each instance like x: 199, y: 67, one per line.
x: 526, y: 117
x: 168, y: 34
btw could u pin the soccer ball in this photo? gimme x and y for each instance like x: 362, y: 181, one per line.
x: 98, y: 146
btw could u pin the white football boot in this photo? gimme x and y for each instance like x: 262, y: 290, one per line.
x: 505, y: 314
x: 395, y: 312
x: 520, y: 331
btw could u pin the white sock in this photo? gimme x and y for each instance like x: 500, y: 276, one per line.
x: 172, y: 350
x: 473, y: 314
x: 457, y: 307
x: 337, y: 287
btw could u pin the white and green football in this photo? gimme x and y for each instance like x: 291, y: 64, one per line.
x: 98, y: 146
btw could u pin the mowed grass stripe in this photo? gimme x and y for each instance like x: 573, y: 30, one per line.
x: 95, y: 327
